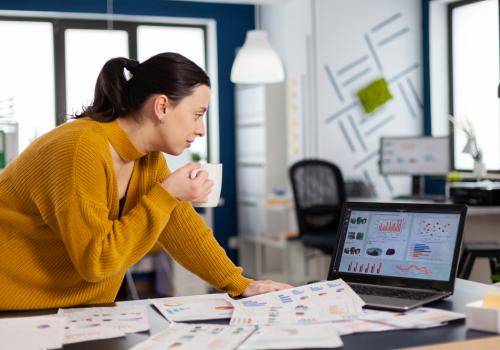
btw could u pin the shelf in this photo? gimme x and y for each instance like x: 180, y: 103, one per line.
x: 471, y: 176
x: 252, y: 163
x: 261, y: 167
x: 273, y: 203
x: 247, y: 123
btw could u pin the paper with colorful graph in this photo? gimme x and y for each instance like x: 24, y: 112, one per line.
x: 195, y: 307
x: 423, y: 317
x: 377, y: 321
x: 93, y: 323
x: 320, y: 335
x: 38, y: 332
x: 182, y: 336
x: 313, y: 303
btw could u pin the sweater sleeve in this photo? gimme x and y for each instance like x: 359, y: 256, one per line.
x: 191, y: 242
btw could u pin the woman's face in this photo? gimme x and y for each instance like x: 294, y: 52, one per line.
x: 184, y: 121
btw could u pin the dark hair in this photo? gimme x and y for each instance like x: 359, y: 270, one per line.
x: 166, y: 73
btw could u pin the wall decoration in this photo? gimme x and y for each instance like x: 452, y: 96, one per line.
x: 375, y: 95
x: 356, y: 48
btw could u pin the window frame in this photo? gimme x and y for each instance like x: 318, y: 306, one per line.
x: 451, y: 129
x: 129, y: 23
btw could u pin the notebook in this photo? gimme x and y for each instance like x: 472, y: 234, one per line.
x: 398, y: 256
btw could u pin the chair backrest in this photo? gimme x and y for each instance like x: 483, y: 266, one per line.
x: 319, y: 192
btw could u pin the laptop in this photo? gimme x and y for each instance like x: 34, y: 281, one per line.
x: 398, y: 256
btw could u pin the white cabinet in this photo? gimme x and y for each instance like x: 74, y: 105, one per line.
x: 260, y: 169
x: 260, y: 139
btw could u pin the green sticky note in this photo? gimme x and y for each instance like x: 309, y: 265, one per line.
x: 374, y: 95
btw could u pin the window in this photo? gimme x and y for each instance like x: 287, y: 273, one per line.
x: 86, y: 50
x: 189, y: 42
x: 474, y: 79
x: 27, y: 77
x: 49, y: 67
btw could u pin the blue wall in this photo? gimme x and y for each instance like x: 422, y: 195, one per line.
x: 233, y: 21
x: 426, y: 67
x: 433, y: 184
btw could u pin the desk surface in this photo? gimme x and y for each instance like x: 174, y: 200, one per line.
x: 465, y: 291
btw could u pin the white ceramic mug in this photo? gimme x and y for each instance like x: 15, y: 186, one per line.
x: 214, y: 172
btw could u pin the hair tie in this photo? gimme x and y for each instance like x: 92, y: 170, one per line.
x: 132, y: 65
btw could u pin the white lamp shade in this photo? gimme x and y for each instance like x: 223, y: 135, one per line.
x: 257, y: 62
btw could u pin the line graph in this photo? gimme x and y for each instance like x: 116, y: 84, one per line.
x: 419, y: 269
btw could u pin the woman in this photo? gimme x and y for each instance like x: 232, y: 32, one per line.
x: 89, y: 199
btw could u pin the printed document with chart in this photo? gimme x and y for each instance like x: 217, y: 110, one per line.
x: 91, y: 323
x: 183, y: 336
x: 319, y: 302
x: 195, y: 307
x: 293, y: 336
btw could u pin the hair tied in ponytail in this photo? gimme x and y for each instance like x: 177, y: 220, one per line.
x: 132, y: 65
x: 124, y: 85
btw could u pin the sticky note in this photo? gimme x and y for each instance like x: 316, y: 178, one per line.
x: 374, y: 95
x: 492, y: 300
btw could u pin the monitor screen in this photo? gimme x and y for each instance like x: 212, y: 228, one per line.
x: 414, y: 155
x: 399, y: 244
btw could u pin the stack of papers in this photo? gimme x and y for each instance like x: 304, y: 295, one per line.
x: 44, y: 332
x: 195, y: 308
x: 313, y: 303
x: 182, y: 336
x: 83, y: 324
x: 310, y: 316
x: 422, y: 317
x: 376, y: 321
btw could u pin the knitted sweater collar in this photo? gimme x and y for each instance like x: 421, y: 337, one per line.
x: 121, y: 142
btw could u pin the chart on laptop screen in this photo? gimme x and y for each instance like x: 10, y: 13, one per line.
x: 400, y: 244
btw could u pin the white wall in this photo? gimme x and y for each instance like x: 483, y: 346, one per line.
x: 331, y: 49
x: 290, y: 31
x: 438, y: 52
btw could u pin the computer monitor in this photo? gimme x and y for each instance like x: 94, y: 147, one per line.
x: 419, y: 155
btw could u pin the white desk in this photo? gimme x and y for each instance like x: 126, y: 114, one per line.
x: 465, y: 291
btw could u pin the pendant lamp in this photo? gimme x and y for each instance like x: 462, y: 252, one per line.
x: 257, y: 62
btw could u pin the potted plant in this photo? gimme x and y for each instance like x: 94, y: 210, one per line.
x: 471, y: 146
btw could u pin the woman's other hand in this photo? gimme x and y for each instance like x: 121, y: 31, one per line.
x: 183, y: 186
x: 266, y: 286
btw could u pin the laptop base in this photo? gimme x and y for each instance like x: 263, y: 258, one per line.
x: 398, y: 304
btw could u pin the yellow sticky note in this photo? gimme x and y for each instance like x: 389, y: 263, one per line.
x: 492, y: 300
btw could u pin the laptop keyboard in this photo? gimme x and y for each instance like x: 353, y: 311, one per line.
x: 389, y: 292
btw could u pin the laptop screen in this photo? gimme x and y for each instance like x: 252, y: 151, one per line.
x: 396, y: 243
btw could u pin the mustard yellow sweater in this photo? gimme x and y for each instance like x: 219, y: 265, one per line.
x: 61, y: 241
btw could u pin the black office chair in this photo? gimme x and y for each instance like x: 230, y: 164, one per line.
x: 319, y: 192
x: 477, y: 249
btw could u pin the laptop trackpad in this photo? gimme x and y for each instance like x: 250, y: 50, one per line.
x: 388, y: 303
